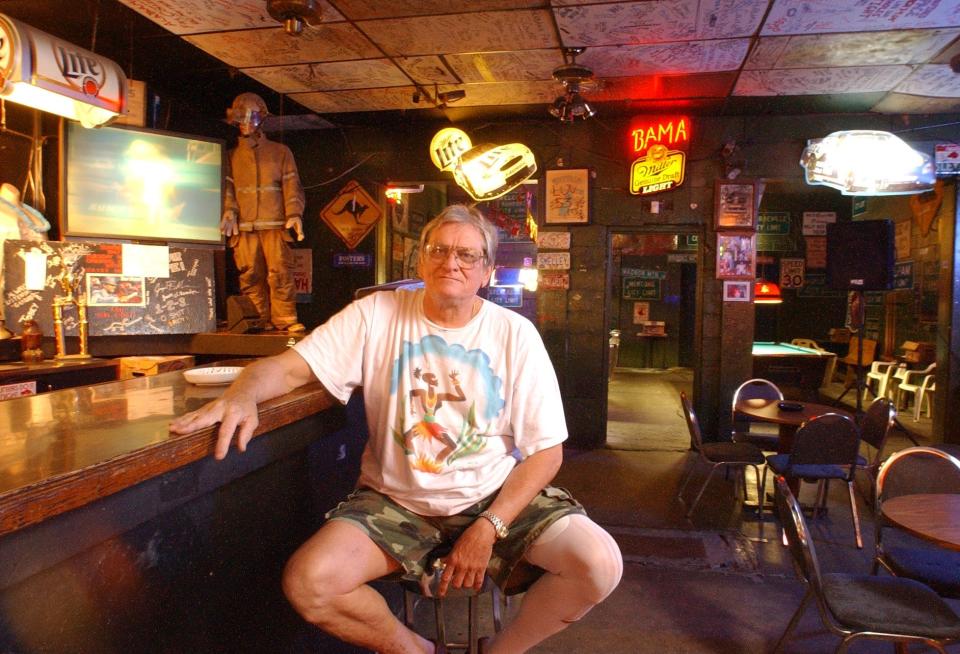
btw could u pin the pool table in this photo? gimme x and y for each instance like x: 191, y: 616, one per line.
x: 798, y: 371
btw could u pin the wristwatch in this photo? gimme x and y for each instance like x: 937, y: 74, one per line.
x: 498, y: 524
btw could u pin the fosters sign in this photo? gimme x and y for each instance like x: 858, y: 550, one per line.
x: 660, y: 144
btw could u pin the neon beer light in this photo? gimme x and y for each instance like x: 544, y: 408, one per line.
x: 661, y: 146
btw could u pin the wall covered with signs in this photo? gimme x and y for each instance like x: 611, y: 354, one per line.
x: 175, y: 297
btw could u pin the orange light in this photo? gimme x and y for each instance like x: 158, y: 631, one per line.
x: 765, y: 292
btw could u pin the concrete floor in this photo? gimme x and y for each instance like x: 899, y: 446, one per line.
x: 702, y: 585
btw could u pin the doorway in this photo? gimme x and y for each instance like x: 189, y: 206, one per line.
x: 651, y: 309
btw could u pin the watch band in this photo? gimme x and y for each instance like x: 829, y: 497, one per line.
x: 499, y: 526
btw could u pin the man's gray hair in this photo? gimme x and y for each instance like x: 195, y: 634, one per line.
x: 464, y: 215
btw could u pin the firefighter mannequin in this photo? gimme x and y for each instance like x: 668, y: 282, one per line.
x: 263, y: 199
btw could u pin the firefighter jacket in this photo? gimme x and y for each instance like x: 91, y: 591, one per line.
x: 262, y: 184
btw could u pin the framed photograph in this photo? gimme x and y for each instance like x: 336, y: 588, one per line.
x: 736, y: 291
x: 736, y: 255
x: 567, y: 196
x: 735, y: 205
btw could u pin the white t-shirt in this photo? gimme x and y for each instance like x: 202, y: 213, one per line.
x: 446, y: 407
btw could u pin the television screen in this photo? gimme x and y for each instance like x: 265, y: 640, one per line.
x: 140, y: 184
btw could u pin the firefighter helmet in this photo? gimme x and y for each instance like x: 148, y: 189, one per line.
x: 247, y: 108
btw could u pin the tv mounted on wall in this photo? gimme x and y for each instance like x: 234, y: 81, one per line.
x: 141, y: 185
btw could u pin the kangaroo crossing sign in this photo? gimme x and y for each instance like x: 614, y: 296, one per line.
x: 351, y: 214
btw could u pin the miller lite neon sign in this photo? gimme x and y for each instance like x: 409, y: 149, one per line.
x: 47, y: 73
x: 661, y: 144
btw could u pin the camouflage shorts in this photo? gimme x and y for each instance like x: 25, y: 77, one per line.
x: 410, y: 538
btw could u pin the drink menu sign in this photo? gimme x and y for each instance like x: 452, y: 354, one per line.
x: 660, y: 145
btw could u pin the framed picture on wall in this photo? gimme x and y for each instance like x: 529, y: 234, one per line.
x: 735, y: 204
x: 567, y: 196
x: 736, y: 291
x: 736, y: 255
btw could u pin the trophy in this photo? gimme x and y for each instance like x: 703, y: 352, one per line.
x: 70, y: 285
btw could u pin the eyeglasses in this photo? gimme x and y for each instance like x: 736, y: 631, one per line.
x: 468, y: 257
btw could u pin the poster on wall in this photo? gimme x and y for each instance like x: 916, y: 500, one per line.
x: 736, y: 255
x: 815, y: 222
x: 182, y: 302
x: 816, y: 251
x: 514, y: 214
x: 901, y: 239
x: 567, y: 194
x: 641, y: 312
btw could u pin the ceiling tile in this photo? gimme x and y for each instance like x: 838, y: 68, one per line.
x: 367, y: 9
x: 194, y: 16
x: 899, y: 103
x: 665, y: 58
x: 858, y: 49
x: 429, y: 69
x: 817, y: 16
x: 505, y: 66
x: 657, y: 21
x: 452, y: 33
x: 496, y: 93
x: 367, y: 73
x: 664, y: 87
x: 936, y: 80
x: 265, y: 47
x: 811, y: 81
x: 359, y: 100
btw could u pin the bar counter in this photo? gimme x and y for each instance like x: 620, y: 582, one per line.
x: 118, y: 536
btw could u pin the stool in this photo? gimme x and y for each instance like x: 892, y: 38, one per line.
x: 412, y: 590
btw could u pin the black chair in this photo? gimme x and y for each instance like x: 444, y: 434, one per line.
x: 875, y: 428
x: 743, y: 430
x: 912, y: 471
x: 717, y: 455
x: 824, y: 448
x: 862, y: 606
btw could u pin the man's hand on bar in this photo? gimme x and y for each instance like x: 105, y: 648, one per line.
x: 237, y: 414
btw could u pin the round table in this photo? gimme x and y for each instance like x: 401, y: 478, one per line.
x: 932, y: 516
x: 787, y: 421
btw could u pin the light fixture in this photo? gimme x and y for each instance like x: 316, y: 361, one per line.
x: 487, y: 171
x: 449, y: 97
x: 294, y: 13
x: 867, y: 162
x: 571, y: 106
x: 395, y: 194
x: 765, y: 292
x: 41, y: 71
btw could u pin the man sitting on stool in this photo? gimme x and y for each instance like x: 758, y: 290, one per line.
x: 452, y: 385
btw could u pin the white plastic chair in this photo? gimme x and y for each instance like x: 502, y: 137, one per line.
x: 917, y: 383
x: 880, y: 372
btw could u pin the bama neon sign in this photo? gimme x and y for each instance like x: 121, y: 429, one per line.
x: 661, y: 145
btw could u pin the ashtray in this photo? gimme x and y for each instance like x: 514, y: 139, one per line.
x: 790, y: 406
x: 215, y: 376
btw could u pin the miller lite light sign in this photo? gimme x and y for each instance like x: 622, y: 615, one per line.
x: 660, y: 145
x: 47, y: 73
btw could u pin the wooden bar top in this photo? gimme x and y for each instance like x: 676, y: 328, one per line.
x: 64, y: 449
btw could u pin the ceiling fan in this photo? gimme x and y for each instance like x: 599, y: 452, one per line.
x: 576, y: 79
x: 294, y: 13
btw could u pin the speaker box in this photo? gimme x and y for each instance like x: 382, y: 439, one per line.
x: 242, y: 315
x: 860, y: 255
